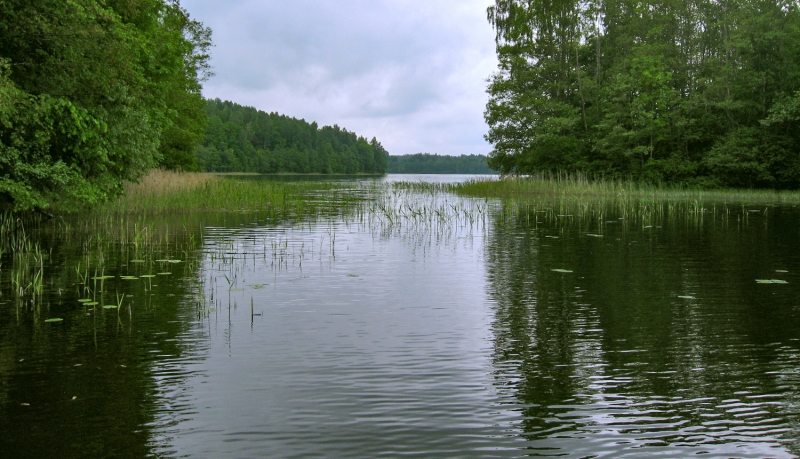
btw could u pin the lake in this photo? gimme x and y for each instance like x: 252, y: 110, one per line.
x: 431, y: 325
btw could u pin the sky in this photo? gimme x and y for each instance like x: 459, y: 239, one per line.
x: 410, y: 72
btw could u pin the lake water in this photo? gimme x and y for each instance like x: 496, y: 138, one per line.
x: 453, y: 327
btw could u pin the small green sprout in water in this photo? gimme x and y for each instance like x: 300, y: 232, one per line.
x: 559, y: 270
x: 771, y: 281
x: 53, y: 320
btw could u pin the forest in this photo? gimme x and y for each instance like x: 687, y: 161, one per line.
x: 691, y: 92
x: 426, y: 163
x: 243, y: 139
x: 94, y: 93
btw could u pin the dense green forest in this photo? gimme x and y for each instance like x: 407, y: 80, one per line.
x: 95, y: 92
x: 426, y: 163
x: 243, y: 139
x: 699, y: 92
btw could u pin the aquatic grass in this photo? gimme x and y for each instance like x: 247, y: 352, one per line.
x: 579, y: 186
x: 166, y: 191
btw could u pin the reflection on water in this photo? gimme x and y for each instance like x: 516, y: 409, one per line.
x: 432, y: 326
x: 659, y: 342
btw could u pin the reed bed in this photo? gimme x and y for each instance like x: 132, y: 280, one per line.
x: 577, y: 186
x: 171, y: 192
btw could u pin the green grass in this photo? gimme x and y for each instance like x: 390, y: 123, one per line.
x: 175, y: 192
x: 580, y: 187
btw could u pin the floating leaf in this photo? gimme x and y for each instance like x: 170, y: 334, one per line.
x: 258, y: 286
x: 164, y: 274
x: 163, y: 260
x: 559, y: 270
x: 648, y: 226
x: 128, y: 277
x: 84, y: 300
x: 91, y: 303
x: 53, y: 320
x: 102, y: 277
x: 781, y: 271
x: 552, y: 237
x: 594, y: 235
x: 147, y: 276
x: 771, y: 281
x: 687, y: 297
x: 352, y: 275
x: 136, y: 261
x: 175, y: 261
x: 110, y: 306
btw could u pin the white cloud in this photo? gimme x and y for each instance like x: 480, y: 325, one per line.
x: 409, y: 72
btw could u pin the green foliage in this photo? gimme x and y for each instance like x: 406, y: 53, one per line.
x: 426, y: 163
x: 683, y: 91
x: 243, y: 139
x: 94, y: 93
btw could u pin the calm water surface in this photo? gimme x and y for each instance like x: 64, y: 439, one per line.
x: 409, y: 336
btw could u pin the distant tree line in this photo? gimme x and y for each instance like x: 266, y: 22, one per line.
x: 243, y: 139
x: 700, y: 92
x: 95, y: 92
x: 426, y: 163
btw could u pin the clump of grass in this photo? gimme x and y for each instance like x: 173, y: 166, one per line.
x: 582, y: 187
x: 170, y: 192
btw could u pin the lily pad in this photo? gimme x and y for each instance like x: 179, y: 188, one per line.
x: 84, y: 300
x: 91, y: 303
x: 594, y: 235
x: 781, y: 271
x: 128, y: 277
x: 552, y: 237
x: 110, y: 306
x: 147, y: 276
x: 687, y: 297
x: 559, y: 270
x: 102, y: 277
x: 352, y: 275
x: 136, y: 261
x: 771, y: 281
x: 164, y: 274
x: 175, y: 261
x: 258, y: 286
x: 54, y: 320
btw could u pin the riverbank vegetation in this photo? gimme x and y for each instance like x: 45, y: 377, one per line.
x: 426, y: 163
x: 93, y: 94
x: 243, y: 139
x: 579, y: 187
x: 688, y: 92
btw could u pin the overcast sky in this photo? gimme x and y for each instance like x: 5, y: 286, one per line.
x: 410, y: 72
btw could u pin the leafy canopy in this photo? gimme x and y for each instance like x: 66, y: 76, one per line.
x: 95, y: 92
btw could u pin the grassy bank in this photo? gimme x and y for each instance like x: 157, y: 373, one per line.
x: 170, y: 192
x: 579, y: 187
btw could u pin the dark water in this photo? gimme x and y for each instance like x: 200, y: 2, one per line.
x: 433, y: 337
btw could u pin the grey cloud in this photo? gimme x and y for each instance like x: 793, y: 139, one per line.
x: 357, y: 62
